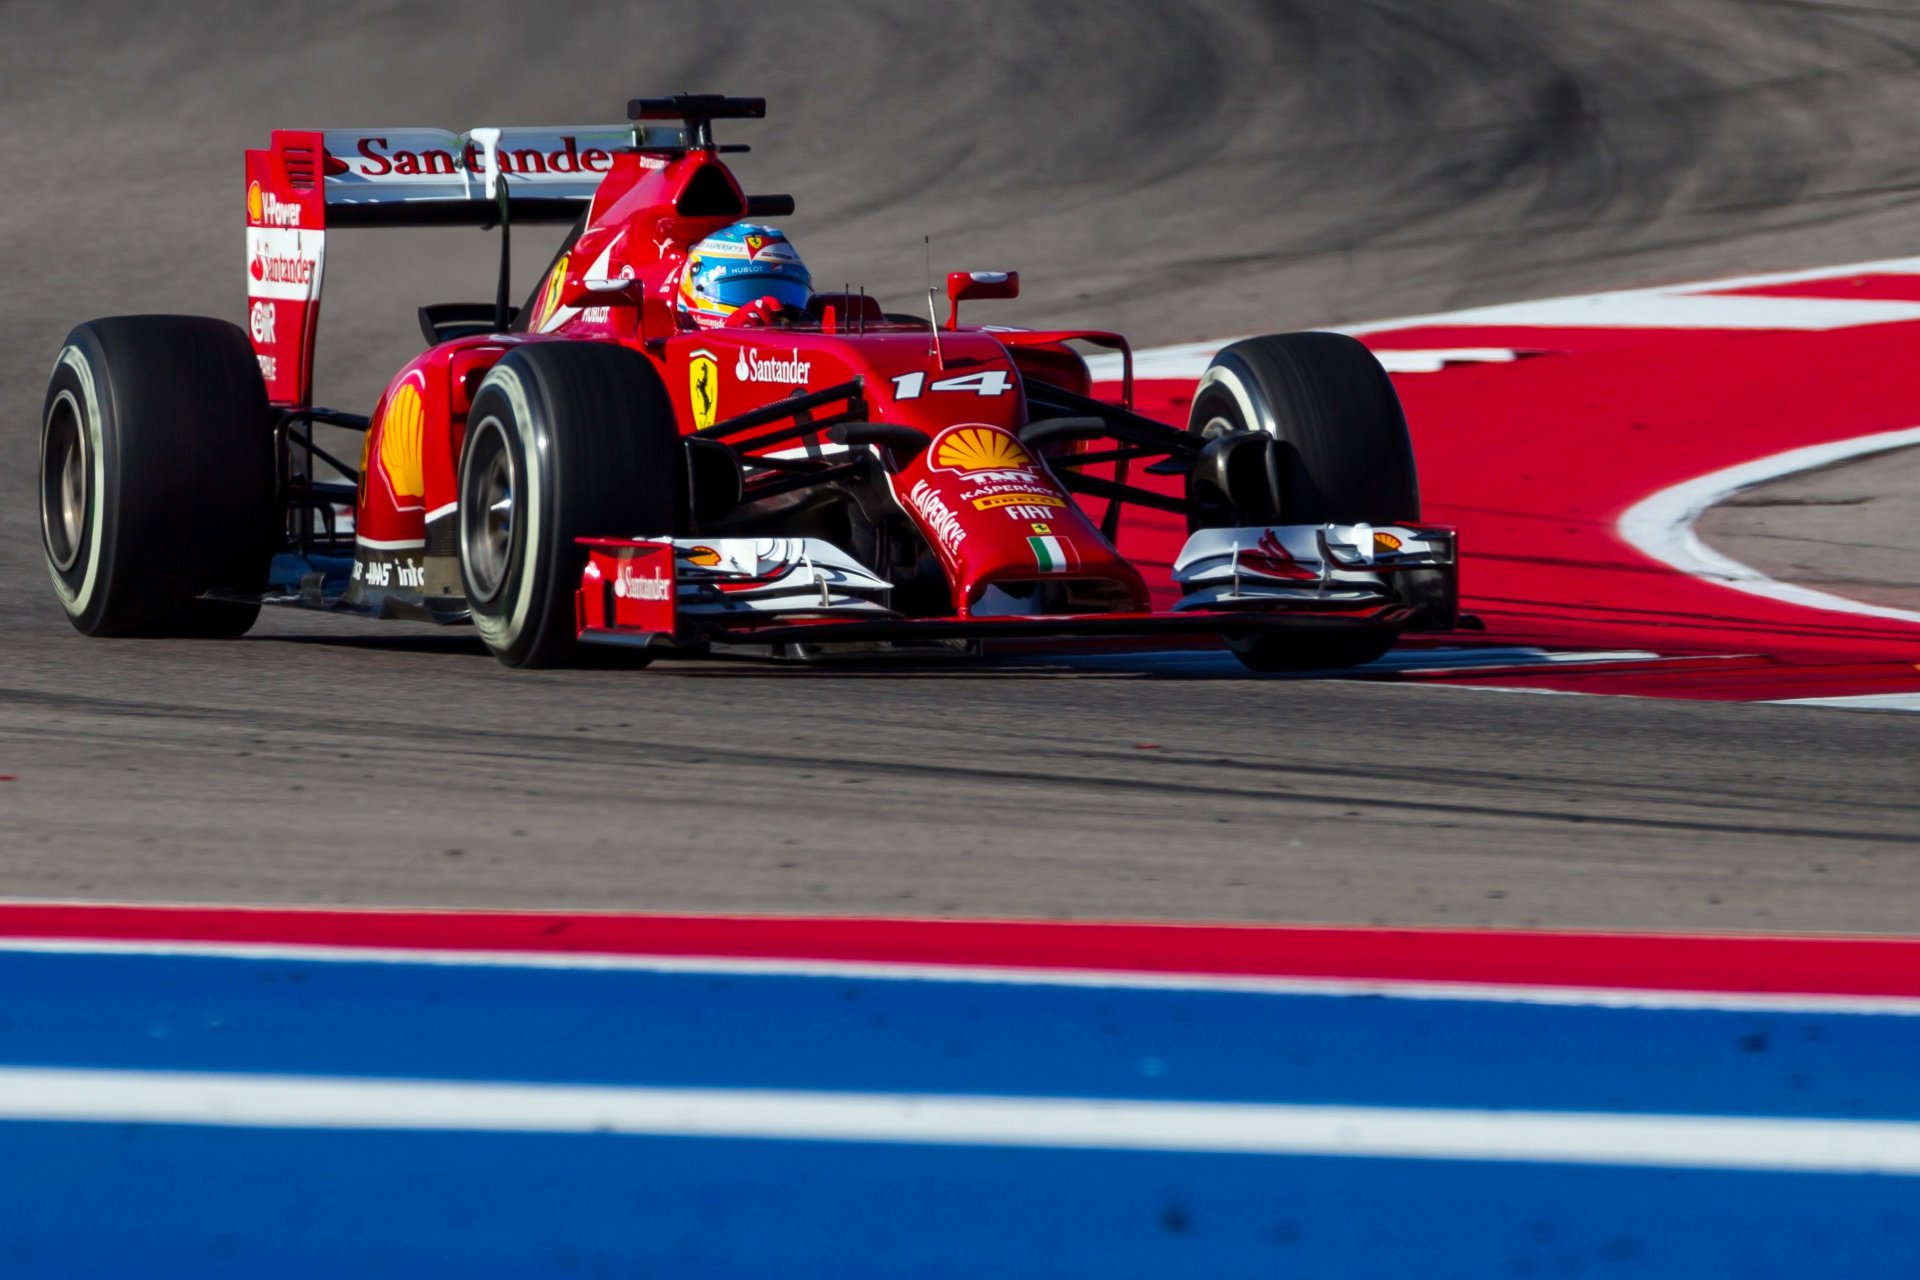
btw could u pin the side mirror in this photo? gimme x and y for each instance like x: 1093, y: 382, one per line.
x: 978, y: 284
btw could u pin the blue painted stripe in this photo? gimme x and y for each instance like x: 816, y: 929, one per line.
x: 156, y: 1201
x: 733, y: 1031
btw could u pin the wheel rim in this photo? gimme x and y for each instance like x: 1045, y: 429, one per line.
x: 487, y: 508
x: 65, y: 491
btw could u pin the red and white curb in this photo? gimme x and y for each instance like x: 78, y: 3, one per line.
x: 1596, y: 413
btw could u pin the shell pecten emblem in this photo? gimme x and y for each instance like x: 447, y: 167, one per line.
x: 400, y: 442
x: 703, y: 389
x: 253, y: 202
x: 979, y: 448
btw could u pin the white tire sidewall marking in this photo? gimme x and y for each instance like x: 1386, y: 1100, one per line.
x: 502, y: 634
x: 1227, y: 377
x: 76, y: 602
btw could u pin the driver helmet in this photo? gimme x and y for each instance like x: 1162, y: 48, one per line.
x: 738, y: 265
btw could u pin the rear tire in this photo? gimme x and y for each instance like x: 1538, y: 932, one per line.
x: 156, y: 477
x: 565, y: 440
x: 1345, y: 457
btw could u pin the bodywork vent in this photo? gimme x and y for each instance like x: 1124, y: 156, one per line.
x: 301, y: 169
x: 708, y: 194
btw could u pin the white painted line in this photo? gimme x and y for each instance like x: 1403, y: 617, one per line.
x: 1692, y: 305
x: 1859, y: 702
x: 1674, y: 309
x: 297, y: 1102
x: 1190, y: 360
x: 1688, y: 306
x: 1425, y: 661
x: 1909, y: 266
x: 1434, y: 360
x: 1439, y: 660
x: 1824, y: 1004
x: 1662, y: 526
x: 1187, y: 360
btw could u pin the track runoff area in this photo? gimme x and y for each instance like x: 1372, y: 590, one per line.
x: 1575, y: 441
x: 200, y: 1090
x: 301, y: 1092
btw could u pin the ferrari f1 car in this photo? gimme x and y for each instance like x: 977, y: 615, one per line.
x: 587, y: 470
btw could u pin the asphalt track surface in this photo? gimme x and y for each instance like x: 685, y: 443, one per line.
x: 1843, y: 529
x: 1176, y: 172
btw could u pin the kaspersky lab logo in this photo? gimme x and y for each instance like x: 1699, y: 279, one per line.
x: 753, y: 367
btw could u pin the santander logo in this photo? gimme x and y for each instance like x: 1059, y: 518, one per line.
x: 273, y: 268
x: 378, y: 158
x: 753, y: 367
x: 632, y: 586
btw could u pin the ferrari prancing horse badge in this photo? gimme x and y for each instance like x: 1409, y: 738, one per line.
x: 703, y: 388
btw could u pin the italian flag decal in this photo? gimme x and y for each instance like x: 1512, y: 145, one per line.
x: 1054, y: 555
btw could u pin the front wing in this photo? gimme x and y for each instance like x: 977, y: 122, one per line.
x: 684, y: 593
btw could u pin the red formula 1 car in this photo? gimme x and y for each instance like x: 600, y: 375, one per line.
x: 588, y: 469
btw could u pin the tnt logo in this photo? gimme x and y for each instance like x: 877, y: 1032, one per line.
x: 261, y: 319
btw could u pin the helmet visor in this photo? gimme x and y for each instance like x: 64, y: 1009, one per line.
x: 740, y: 288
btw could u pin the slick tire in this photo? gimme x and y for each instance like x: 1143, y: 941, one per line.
x: 1345, y: 457
x: 565, y: 440
x: 156, y: 477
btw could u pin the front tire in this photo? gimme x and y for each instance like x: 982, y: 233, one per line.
x: 156, y: 477
x: 565, y: 440
x: 1345, y: 458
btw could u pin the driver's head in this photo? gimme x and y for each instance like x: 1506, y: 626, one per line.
x: 738, y: 265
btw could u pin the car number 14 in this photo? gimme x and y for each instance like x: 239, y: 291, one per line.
x: 988, y: 382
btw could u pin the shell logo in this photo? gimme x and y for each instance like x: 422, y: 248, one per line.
x: 982, y: 448
x: 400, y: 430
x: 253, y: 202
x: 705, y: 557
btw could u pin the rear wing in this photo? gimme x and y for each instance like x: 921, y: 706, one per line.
x: 429, y: 177
x: 309, y: 180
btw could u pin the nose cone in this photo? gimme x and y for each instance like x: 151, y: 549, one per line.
x: 995, y: 515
